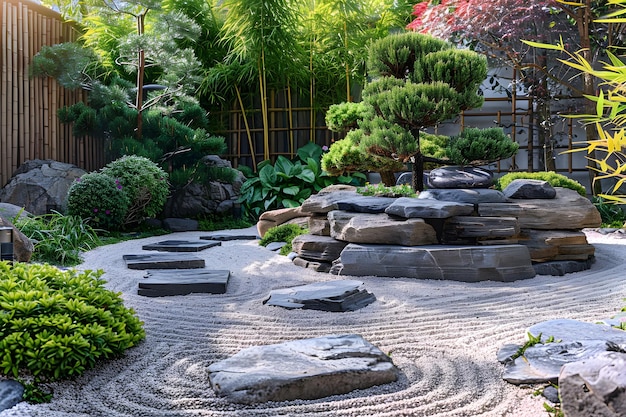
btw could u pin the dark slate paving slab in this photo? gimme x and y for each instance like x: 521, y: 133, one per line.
x: 180, y: 246
x: 183, y: 282
x: 10, y: 394
x: 338, y: 295
x: 465, y: 195
x: 301, y: 369
x: 426, y: 208
x: 225, y: 237
x: 163, y: 261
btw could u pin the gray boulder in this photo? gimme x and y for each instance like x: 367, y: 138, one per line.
x: 526, y: 188
x: 197, y: 200
x: 380, y: 229
x: 10, y: 211
x: 465, y: 195
x: 338, y: 295
x: 302, y: 369
x: 41, y: 186
x: 23, y: 247
x: 327, y: 199
x: 594, y: 387
x: 317, y: 248
x: 11, y: 393
x: 365, y: 204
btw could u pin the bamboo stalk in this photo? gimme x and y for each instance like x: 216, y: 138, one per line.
x: 10, y: 159
x: 4, y: 174
x: 245, y: 121
x: 290, y: 115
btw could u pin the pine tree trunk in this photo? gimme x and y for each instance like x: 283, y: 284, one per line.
x: 388, y: 178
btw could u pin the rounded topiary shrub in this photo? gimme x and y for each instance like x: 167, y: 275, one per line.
x: 99, y: 198
x: 56, y: 324
x: 144, y: 182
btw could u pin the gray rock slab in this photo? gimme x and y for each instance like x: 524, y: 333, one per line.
x: 301, y: 369
x: 319, y: 225
x: 317, y: 248
x: 556, y: 245
x: 567, y: 211
x: 459, y: 227
x: 365, y: 204
x: 180, y: 246
x: 408, y: 207
x: 11, y: 393
x: 183, y: 282
x: 380, y: 229
x: 529, y: 189
x: 465, y: 195
x: 325, y: 201
x: 560, y: 268
x: 338, y: 295
x: 568, y: 330
x: 542, y: 362
x: 316, y: 266
x: 595, y: 387
x: 460, y: 177
x: 163, y: 261
x: 454, y: 262
x: 223, y: 237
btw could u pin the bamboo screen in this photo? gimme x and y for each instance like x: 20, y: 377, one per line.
x: 29, y: 126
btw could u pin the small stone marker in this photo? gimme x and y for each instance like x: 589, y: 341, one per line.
x: 225, y: 237
x: 338, y: 295
x: 301, y: 369
x: 163, y: 261
x: 180, y: 246
x: 183, y: 282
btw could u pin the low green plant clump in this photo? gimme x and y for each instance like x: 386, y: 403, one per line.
x: 58, y: 239
x: 554, y: 179
x: 56, y: 324
x: 288, y: 183
x: 612, y: 214
x: 381, y: 190
x: 283, y: 233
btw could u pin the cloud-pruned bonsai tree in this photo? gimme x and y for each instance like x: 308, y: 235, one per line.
x: 417, y: 82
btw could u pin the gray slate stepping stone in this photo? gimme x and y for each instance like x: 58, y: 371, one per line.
x: 301, y: 369
x: 338, y: 295
x: 163, y: 261
x: 180, y: 246
x: 365, y: 204
x: 11, y: 393
x: 465, y: 195
x: 225, y: 237
x: 183, y: 282
x: 425, y: 208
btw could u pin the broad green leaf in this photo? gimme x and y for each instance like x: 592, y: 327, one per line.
x: 283, y: 165
x: 290, y: 203
x: 267, y: 175
x: 307, y: 176
x: 293, y: 190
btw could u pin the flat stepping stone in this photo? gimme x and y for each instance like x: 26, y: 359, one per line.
x: 301, y: 369
x: 224, y: 237
x: 163, y: 261
x: 338, y: 295
x: 180, y: 246
x: 183, y: 282
x: 11, y: 393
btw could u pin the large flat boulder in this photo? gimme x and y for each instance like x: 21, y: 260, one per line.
x: 302, y: 369
x: 365, y: 204
x: 464, y: 227
x: 567, y: 211
x: 427, y: 208
x: 465, y: 195
x: 458, y: 263
x: 380, y: 229
x: 328, y: 198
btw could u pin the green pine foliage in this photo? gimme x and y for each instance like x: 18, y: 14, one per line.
x: 553, y: 178
x: 480, y: 146
x: 344, y: 116
x: 57, y: 324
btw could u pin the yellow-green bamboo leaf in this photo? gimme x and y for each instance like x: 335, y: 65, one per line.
x: 600, y: 104
x: 541, y: 45
x: 618, y: 184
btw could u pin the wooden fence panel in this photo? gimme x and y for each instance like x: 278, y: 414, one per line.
x: 29, y: 126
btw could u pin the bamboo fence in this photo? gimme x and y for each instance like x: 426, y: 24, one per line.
x: 29, y: 126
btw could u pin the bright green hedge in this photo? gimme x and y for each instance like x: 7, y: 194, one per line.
x: 554, y: 179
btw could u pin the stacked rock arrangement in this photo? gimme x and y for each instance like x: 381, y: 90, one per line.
x: 459, y: 229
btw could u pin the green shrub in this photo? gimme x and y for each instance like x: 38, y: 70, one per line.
x: 58, y: 239
x: 100, y: 199
x: 480, y: 146
x: 554, y: 179
x: 612, y: 214
x: 56, y: 324
x: 143, y: 181
x: 288, y: 183
x: 283, y: 233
